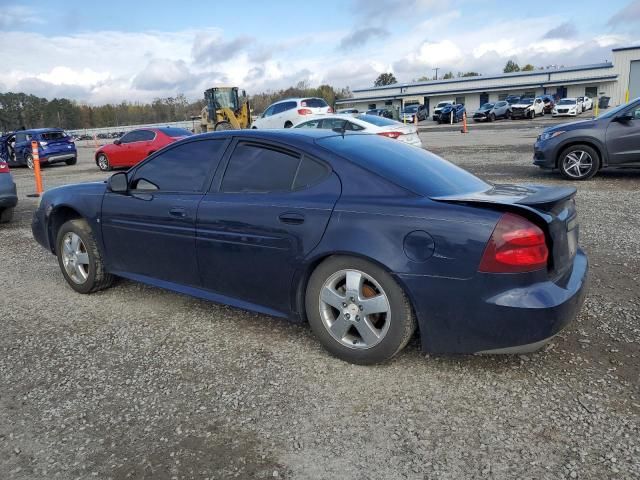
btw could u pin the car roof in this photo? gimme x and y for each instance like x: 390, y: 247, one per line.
x: 39, y: 130
x: 294, y: 136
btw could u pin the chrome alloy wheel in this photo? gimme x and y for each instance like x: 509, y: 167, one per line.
x: 103, y: 162
x: 75, y: 258
x: 355, y: 309
x: 577, y: 164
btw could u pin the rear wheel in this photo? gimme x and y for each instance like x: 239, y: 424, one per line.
x: 103, y: 162
x: 357, y: 310
x: 6, y: 215
x: 288, y: 124
x: 579, y: 162
x: 80, y: 259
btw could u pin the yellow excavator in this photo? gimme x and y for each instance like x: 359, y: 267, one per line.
x: 226, y: 109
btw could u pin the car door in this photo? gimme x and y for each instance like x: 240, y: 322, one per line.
x: 119, y: 151
x: 623, y: 138
x: 139, y: 148
x: 150, y: 231
x: 266, y: 211
x: 20, y: 147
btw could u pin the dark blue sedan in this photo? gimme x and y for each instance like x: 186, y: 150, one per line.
x: 452, y: 113
x: 363, y: 236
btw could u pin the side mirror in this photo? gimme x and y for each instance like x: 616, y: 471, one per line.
x: 118, y: 183
x: 624, y: 118
x: 117, y: 141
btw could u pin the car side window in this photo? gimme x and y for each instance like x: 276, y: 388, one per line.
x: 146, y: 135
x: 130, y: 137
x: 257, y: 168
x: 20, y: 137
x: 309, y: 124
x: 183, y: 168
x: 309, y: 173
x: 331, y: 123
x: 635, y: 113
x: 353, y: 127
x: 269, y: 111
x: 290, y: 106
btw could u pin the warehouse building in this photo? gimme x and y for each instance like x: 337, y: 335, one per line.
x: 619, y: 79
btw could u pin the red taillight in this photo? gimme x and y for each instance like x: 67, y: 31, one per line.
x: 304, y: 111
x: 4, y: 167
x: 390, y: 134
x: 330, y: 110
x: 516, y: 245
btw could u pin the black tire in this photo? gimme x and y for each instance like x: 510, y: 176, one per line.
x: 28, y: 161
x: 507, y: 115
x: 288, y: 124
x: 103, y: 163
x: 97, y: 277
x: 571, y: 173
x: 6, y: 215
x: 492, y: 117
x: 222, y: 126
x: 401, y: 326
x: 71, y: 161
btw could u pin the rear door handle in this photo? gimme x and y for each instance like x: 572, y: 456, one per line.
x: 291, y: 218
x: 178, y: 212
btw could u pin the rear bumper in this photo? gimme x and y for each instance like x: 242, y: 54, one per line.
x: 58, y: 157
x: 516, y: 318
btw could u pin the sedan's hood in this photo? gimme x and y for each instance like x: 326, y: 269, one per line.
x: 483, y: 110
x: 521, y: 105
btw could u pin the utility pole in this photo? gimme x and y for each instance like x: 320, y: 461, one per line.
x: 436, y: 70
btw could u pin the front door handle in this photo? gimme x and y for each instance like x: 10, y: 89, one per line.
x: 291, y: 218
x: 178, y: 212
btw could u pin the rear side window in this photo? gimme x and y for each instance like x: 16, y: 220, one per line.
x: 133, y: 136
x: 283, y: 107
x: 183, y: 168
x: 309, y: 124
x: 313, y: 103
x: 412, y: 168
x: 330, y: 123
x: 260, y: 169
x: 146, y: 135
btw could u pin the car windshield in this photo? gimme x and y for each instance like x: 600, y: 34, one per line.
x: 175, y: 132
x: 313, y: 103
x: 526, y: 100
x: 48, y: 136
x: 486, y: 106
x: 376, y: 120
x: 412, y: 168
x: 566, y: 101
x: 443, y: 104
x: 411, y: 109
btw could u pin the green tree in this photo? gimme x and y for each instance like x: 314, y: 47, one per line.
x: 447, y: 75
x: 528, y: 68
x: 385, y: 79
x: 468, y: 74
x: 511, y: 66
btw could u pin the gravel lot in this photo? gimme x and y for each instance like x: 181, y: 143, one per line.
x: 136, y: 382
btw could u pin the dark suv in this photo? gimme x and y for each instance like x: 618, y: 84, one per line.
x: 580, y: 149
x: 54, y: 145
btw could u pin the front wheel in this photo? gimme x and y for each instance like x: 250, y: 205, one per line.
x: 29, y: 160
x: 6, y: 215
x: 357, y: 310
x: 579, y: 162
x: 80, y: 259
x: 492, y: 117
x: 71, y: 161
x: 103, y: 162
x: 223, y: 126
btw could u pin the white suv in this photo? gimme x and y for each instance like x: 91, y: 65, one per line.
x: 287, y: 113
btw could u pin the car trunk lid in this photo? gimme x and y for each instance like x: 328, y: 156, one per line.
x: 552, y: 208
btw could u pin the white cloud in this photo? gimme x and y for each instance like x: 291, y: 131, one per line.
x: 16, y: 16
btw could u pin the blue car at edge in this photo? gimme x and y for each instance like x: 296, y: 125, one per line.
x: 362, y: 236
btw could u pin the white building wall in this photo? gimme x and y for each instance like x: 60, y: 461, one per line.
x: 622, y: 64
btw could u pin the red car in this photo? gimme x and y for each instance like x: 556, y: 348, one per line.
x: 135, y: 146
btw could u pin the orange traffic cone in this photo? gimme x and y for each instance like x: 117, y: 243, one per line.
x: 36, y: 169
x: 464, y: 123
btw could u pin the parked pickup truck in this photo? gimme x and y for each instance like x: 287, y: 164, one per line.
x: 527, y: 108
